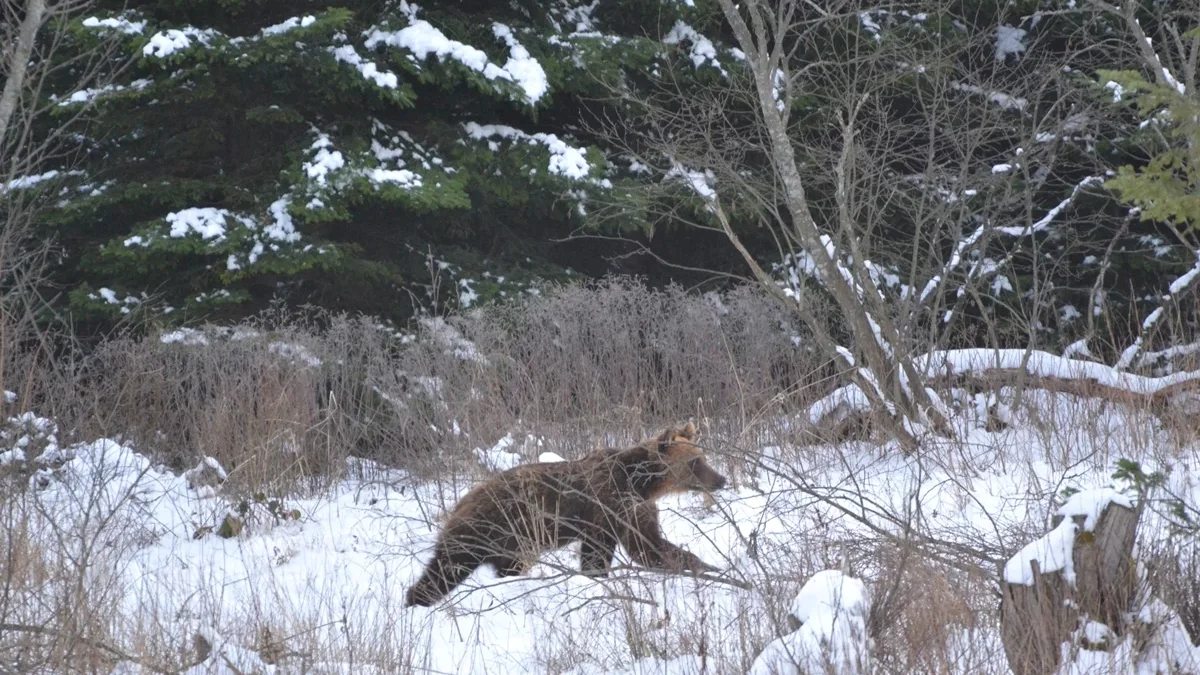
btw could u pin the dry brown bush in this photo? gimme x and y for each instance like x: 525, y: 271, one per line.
x: 1174, y: 577
x: 917, y: 606
x: 280, y: 401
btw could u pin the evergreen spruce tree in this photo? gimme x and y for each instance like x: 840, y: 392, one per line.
x: 1166, y: 187
x: 344, y: 155
x: 380, y: 156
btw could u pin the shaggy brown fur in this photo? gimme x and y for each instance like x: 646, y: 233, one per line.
x: 603, y: 499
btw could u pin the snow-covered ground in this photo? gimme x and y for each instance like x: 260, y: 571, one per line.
x: 323, y: 593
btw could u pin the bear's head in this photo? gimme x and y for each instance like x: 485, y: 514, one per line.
x: 686, y: 468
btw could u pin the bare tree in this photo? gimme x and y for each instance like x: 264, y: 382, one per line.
x: 18, y: 61
x: 39, y: 52
x: 35, y: 35
x: 894, y: 162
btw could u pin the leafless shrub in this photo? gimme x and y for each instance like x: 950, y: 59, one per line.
x: 916, y: 608
x: 276, y: 401
x: 1174, y: 577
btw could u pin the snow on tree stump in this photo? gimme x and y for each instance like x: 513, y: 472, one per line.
x: 1082, y: 568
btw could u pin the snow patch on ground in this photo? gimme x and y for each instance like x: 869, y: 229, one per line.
x: 358, y: 544
x: 183, y: 336
x: 498, y: 457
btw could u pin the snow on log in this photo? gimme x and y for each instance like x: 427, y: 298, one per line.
x: 1080, y: 570
x: 1048, y: 371
x: 951, y: 362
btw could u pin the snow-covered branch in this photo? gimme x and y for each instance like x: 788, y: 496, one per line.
x: 1151, y: 322
x: 1053, y: 372
x: 978, y: 268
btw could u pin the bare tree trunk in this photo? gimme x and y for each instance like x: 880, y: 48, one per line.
x: 890, y: 380
x: 35, y: 13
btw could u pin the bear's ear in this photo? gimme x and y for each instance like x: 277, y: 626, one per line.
x: 664, y: 440
x: 688, y: 431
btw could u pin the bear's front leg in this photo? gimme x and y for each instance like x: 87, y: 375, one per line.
x: 644, y: 540
x: 596, y: 550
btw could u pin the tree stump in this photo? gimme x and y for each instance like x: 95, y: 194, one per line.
x: 1081, y: 571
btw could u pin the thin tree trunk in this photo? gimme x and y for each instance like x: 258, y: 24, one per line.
x: 896, y: 385
x: 35, y: 13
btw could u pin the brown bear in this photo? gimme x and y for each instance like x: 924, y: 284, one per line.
x: 605, y: 498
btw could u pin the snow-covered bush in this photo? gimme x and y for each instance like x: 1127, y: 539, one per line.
x: 832, y: 610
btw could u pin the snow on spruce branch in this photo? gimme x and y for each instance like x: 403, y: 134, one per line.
x: 27, y: 182
x: 117, y: 23
x: 703, y: 50
x: 700, y: 182
x: 422, y: 40
x: 394, y: 159
x: 86, y: 95
x: 579, y: 16
x: 280, y: 230
x: 221, y: 230
x: 110, y: 297
x: 371, y: 72
x: 524, y: 69
x: 398, y: 149
x: 565, y: 160
x: 289, y: 24
x: 207, y: 222
x: 326, y: 160
x: 173, y: 40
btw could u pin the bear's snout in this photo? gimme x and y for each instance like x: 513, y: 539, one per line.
x: 705, y: 478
